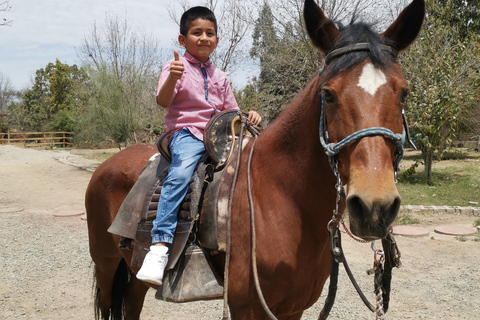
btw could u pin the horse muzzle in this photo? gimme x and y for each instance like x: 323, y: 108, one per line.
x: 370, y: 218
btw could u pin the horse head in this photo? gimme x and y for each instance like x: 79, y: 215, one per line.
x: 363, y: 95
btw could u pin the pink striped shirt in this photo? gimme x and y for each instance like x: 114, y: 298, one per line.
x: 189, y: 107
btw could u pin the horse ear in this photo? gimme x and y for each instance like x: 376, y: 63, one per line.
x: 321, y: 30
x: 407, y: 26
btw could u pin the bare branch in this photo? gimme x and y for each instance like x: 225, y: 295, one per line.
x: 5, y: 6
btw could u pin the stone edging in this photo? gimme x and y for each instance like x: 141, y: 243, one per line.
x: 470, y: 211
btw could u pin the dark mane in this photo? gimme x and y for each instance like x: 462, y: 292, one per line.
x: 359, y: 33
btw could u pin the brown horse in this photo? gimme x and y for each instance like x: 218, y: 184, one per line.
x: 292, y: 182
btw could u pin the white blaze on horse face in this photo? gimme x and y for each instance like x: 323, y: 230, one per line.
x: 371, y: 79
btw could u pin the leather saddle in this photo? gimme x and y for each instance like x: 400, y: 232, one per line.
x: 204, y: 211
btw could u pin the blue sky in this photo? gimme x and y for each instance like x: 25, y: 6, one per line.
x: 43, y: 31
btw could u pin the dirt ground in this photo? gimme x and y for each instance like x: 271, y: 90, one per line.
x: 47, y: 272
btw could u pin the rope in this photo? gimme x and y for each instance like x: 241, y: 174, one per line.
x: 254, y: 240
x: 252, y: 213
x: 351, y: 235
x: 226, y: 315
x: 332, y: 149
x: 379, y: 311
x: 382, y: 269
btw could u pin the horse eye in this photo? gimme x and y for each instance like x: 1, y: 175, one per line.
x: 404, y: 96
x: 328, y: 96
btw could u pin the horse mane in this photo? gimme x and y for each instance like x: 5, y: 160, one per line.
x: 359, y: 32
x: 292, y: 118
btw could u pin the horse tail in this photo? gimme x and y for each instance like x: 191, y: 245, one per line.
x: 120, y: 281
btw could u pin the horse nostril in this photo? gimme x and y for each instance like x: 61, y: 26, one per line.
x: 356, y: 208
x: 392, y: 211
x: 376, y: 212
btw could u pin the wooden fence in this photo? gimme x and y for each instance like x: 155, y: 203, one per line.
x: 38, y: 139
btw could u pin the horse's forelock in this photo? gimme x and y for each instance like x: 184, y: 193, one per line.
x: 358, y: 33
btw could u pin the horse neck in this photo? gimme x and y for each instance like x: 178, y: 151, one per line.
x: 290, y: 157
x: 294, y: 134
x: 292, y: 142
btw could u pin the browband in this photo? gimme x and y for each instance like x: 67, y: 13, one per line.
x: 356, y: 47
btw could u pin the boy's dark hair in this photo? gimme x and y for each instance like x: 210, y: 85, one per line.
x: 193, y: 14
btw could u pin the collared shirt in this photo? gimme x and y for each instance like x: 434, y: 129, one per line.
x: 192, y: 105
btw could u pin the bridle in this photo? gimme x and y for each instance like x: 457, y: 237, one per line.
x: 390, y: 255
x: 388, y: 258
x: 332, y: 149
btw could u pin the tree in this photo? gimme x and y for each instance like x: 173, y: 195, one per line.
x: 282, y: 52
x: 6, y: 92
x: 442, y: 68
x: 462, y: 15
x: 233, y: 21
x: 285, y: 55
x: 110, y: 113
x: 57, y: 90
x: 10, y: 104
x: 264, y: 38
x: 5, y: 6
x: 123, y: 65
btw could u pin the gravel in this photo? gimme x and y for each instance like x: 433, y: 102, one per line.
x: 47, y: 271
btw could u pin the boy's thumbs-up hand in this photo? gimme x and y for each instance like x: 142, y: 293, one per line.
x: 176, y: 67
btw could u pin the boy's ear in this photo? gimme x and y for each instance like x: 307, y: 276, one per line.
x: 182, y: 40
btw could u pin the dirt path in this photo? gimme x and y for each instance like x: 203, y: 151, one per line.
x: 47, y: 273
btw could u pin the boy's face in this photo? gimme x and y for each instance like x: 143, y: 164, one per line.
x: 201, y: 39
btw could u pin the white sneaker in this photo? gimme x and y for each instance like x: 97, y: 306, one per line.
x: 154, y: 265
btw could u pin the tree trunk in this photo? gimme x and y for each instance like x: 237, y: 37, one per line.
x: 428, y: 159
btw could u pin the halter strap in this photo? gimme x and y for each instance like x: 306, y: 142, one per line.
x: 357, y: 47
x: 332, y: 149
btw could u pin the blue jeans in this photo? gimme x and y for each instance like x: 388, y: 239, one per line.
x: 186, y: 150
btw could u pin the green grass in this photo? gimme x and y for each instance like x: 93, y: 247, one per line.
x: 457, y: 184
x: 461, y: 238
x: 406, y: 219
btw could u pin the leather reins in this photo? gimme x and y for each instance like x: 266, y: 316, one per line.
x: 390, y: 256
x: 332, y: 149
x: 229, y: 219
x: 252, y: 221
x: 254, y: 132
